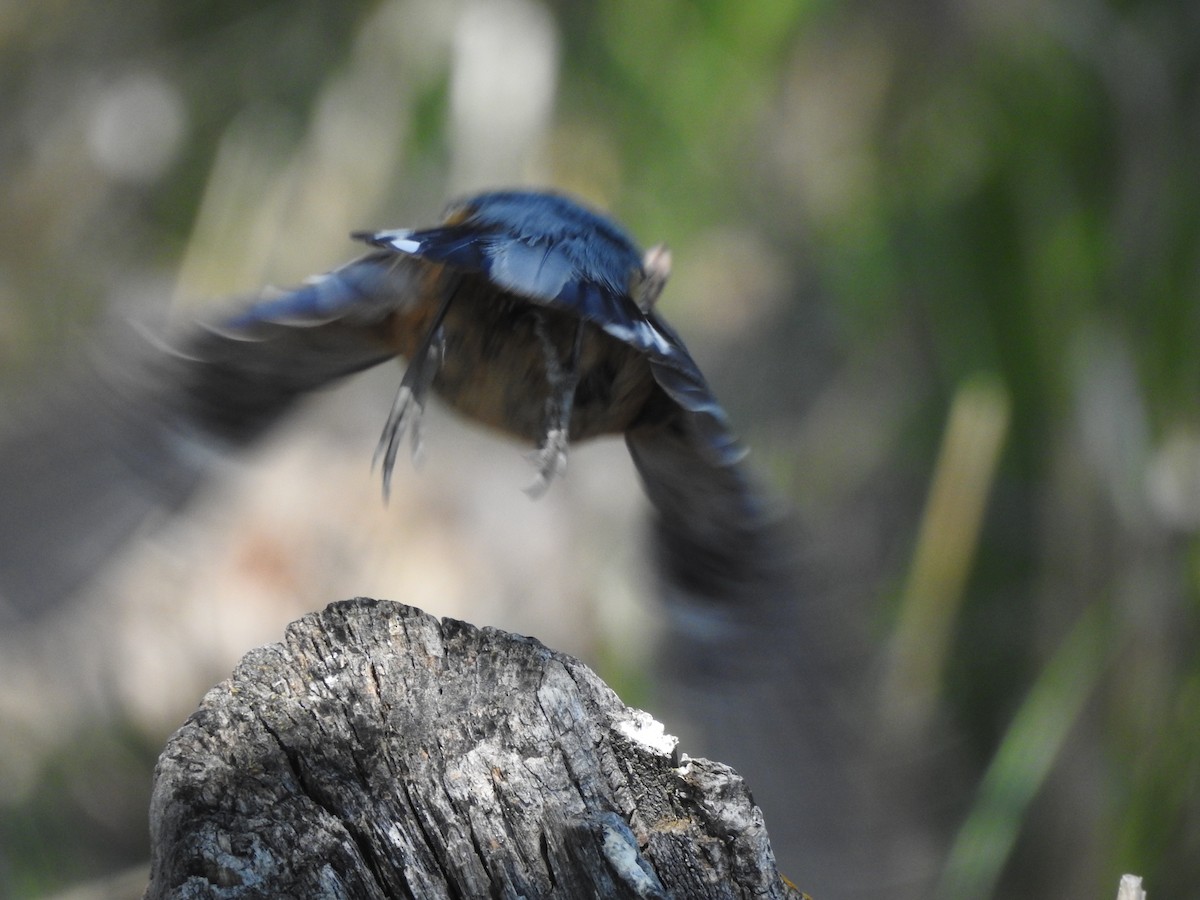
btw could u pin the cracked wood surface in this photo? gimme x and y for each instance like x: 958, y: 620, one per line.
x: 380, y: 752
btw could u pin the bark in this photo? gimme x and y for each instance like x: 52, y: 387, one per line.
x: 380, y: 752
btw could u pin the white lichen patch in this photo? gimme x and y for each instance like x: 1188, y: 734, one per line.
x: 645, y: 730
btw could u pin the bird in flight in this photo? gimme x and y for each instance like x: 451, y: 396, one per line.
x: 524, y: 311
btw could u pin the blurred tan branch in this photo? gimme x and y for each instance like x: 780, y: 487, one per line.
x: 946, y: 546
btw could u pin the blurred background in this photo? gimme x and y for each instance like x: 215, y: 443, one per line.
x: 940, y: 261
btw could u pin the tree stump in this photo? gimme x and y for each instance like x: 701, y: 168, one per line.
x: 380, y: 752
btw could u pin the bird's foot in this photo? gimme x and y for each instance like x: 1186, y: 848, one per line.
x: 405, y: 415
x: 408, y: 406
x: 550, y: 460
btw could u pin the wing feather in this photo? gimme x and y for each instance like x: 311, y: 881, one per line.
x: 136, y: 432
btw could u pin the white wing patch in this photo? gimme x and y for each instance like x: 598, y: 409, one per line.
x: 638, y: 333
x: 400, y: 239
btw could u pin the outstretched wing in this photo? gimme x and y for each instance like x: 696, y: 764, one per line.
x: 137, y: 430
x: 718, y: 538
x: 234, y: 380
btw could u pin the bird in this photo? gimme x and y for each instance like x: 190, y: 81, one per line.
x: 525, y: 311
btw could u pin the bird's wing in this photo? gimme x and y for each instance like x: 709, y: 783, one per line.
x: 362, y: 292
x: 136, y: 430
x: 234, y: 380
x: 719, y: 539
x: 717, y: 533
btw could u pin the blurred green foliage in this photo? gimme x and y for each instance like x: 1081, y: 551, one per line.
x: 870, y: 204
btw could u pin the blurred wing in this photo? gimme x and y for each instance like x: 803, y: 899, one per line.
x: 138, y: 431
x: 362, y: 292
x: 235, y: 380
x: 719, y: 541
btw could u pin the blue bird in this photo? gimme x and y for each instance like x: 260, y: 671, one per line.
x: 524, y: 311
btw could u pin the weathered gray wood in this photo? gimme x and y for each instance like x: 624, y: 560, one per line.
x: 380, y: 752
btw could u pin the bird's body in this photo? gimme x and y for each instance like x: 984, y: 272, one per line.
x: 495, y: 371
